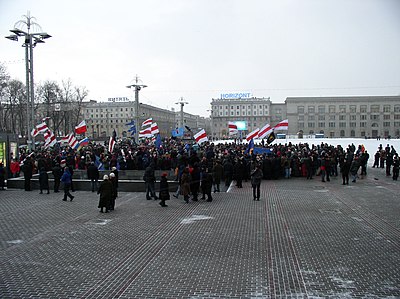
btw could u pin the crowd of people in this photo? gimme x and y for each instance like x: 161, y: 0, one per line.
x: 200, y: 170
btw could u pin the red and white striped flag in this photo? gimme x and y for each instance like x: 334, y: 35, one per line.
x: 42, y: 127
x: 111, y: 144
x: 45, y: 118
x: 81, y: 128
x: 154, y: 129
x: 283, y: 125
x: 147, y: 122
x: 72, y: 141
x: 200, y: 136
x: 34, y: 132
x: 232, y: 128
x: 49, y: 138
x: 146, y: 133
x: 252, y: 134
x: 65, y: 138
x: 265, y: 131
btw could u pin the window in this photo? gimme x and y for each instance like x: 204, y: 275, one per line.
x: 386, y: 108
x: 397, y: 123
x: 352, y: 133
x: 300, y: 117
x: 374, y: 108
x: 332, y: 109
x: 237, y: 112
x: 300, y: 110
x: 331, y: 125
x: 321, y: 109
x: 332, y: 117
x: 363, y: 108
x: 397, y: 116
x: 386, y: 116
x: 374, y: 117
x: 311, y: 117
x: 342, y: 109
x: 397, y: 108
x: 311, y: 109
x: 311, y: 125
x: 342, y: 134
x: 353, y: 117
x: 386, y: 123
x: 321, y: 117
x: 342, y: 125
x: 342, y: 117
x: 237, y: 107
x: 363, y: 117
x: 321, y: 125
x: 231, y: 113
x: 353, y: 109
x: 353, y: 125
x: 363, y: 124
x: 232, y: 107
x: 301, y: 125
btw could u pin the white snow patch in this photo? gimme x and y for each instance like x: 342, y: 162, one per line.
x: 195, y: 218
x: 15, y: 241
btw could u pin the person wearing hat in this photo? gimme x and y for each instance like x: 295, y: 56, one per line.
x: 66, y: 179
x: 115, y: 171
x: 113, y: 181
x: 57, y: 173
x: 164, y: 190
x: 93, y: 176
x: 256, y: 176
x: 27, y: 168
x: 44, y: 181
x: 105, y: 191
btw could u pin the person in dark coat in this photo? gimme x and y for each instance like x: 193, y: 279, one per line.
x: 28, y: 171
x: 115, y: 171
x: 113, y: 181
x: 2, y: 176
x: 66, y: 178
x: 396, y: 166
x: 256, y: 176
x: 355, y: 165
x: 105, y: 191
x: 206, y: 184
x: 195, y: 182
x: 93, y: 176
x: 345, y: 170
x: 217, y: 172
x: 149, y: 180
x: 57, y: 173
x: 228, y: 172
x: 164, y: 190
x: 239, y: 170
x: 185, y: 184
x: 44, y: 181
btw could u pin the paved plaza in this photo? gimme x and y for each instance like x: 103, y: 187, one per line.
x: 303, y: 239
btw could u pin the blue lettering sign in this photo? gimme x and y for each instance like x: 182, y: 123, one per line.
x: 240, y: 95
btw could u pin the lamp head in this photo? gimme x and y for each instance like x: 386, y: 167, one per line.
x: 18, y: 32
x: 12, y: 37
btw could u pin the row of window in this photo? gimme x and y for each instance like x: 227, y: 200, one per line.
x: 344, y: 125
x: 351, y: 109
x: 261, y: 107
x: 109, y: 110
x: 255, y: 112
x: 351, y: 117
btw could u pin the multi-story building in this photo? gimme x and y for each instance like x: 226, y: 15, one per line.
x: 366, y: 116
x: 102, y: 118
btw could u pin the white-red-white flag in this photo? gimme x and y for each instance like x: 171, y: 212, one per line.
x: 201, y: 136
x: 111, y: 144
x: 252, y: 135
x: 232, y: 128
x: 146, y: 133
x: 147, y: 122
x: 34, y: 132
x: 72, y: 141
x: 49, y: 138
x: 283, y: 125
x: 265, y: 131
x: 154, y: 129
x: 42, y: 127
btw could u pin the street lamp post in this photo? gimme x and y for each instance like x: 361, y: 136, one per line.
x: 137, y: 88
x: 31, y: 39
x: 211, y: 123
x: 182, y: 103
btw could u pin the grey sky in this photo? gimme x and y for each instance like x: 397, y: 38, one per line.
x: 199, y: 49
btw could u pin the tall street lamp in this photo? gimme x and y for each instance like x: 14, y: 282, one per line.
x: 31, y: 39
x: 137, y: 88
x: 182, y: 103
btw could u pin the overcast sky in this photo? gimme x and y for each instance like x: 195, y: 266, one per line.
x: 198, y: 49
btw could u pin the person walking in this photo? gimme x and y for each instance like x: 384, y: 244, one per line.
x: 66, y: 179
x: 345, y: 170
x: 28, y: 171
x: 105, y: 191
x: 93, y: 175
x: 57, y: 173
x: 43, y: 181
x: 149, y: 180
x: 217, y: 173
x: 185, y: 184
x: 206, y: 184
x: 256, y: 176
x: 164, y: 190
x: 396, y: 166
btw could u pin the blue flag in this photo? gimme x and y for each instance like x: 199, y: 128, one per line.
x: 250, y: 147
x: 158, y: 141
x: 132, y: 129
x: 178, y: 132
x: 132, y: 123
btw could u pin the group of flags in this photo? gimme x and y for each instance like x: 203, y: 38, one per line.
x: 151, y: 129
x: 265, y: 132
x: 51, y: 140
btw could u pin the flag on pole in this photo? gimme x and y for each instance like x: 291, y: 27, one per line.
x: 200, y: 136
x: 146, y: 133
x: 158, y: 142
x: 250, y: 147
x: 178, y: 132
x: 131, y: 123
x: 252, y: 134
x: 41, y: 128
x: 34, y: 132
x: 271, y: 138
x: 147, y: 122
x: 265, y: 131
x: 81, y: 128
x: 154, y: 129
x: 82, y: 143
x: 283, y: 125
x: 232, y: 127
x: 49, y: 138
x: 72, y: 141
x: 111, y: 144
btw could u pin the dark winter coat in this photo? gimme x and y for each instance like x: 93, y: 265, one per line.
x: 92, y: 172
x: 256, y: 176
x: 164, y: 189
x: 43, y: 179
x: 218, y: 172
x: 185, y: 183
x: 106, y: 193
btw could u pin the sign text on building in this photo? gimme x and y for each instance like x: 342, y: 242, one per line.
x: 120, y: 99
x: 237, y: 95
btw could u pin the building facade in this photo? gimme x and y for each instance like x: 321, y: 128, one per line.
x: 335, y: 117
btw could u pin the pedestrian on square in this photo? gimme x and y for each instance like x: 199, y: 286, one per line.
x: 195, y: 182
x: 206, y: 184
x: 115, y: 172
x: 113, y: 181
x: 28, y: 172
x: 256, y: 176
x: 164, y: 190
x: 217, y: 173
x: 345, y: 170
x: 66, y: 179
x: 185, y: 184
x: 396, y: 166
x: 43, y: 181
x: 93, y: 175
x: 105, y: 191
x: 2, y: 176
x: 15, y: 168
x: 355, y: 164
x: 57, y: 173
x: 149, y: 180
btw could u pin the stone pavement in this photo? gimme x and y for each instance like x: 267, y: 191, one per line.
x: 304, y: 239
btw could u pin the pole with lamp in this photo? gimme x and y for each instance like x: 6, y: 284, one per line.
x: 32, y: 35
x: 182, y: 103
x: 137, y: 88
x: 211, y: 123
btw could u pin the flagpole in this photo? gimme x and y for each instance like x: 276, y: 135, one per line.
x: 137, y: 87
